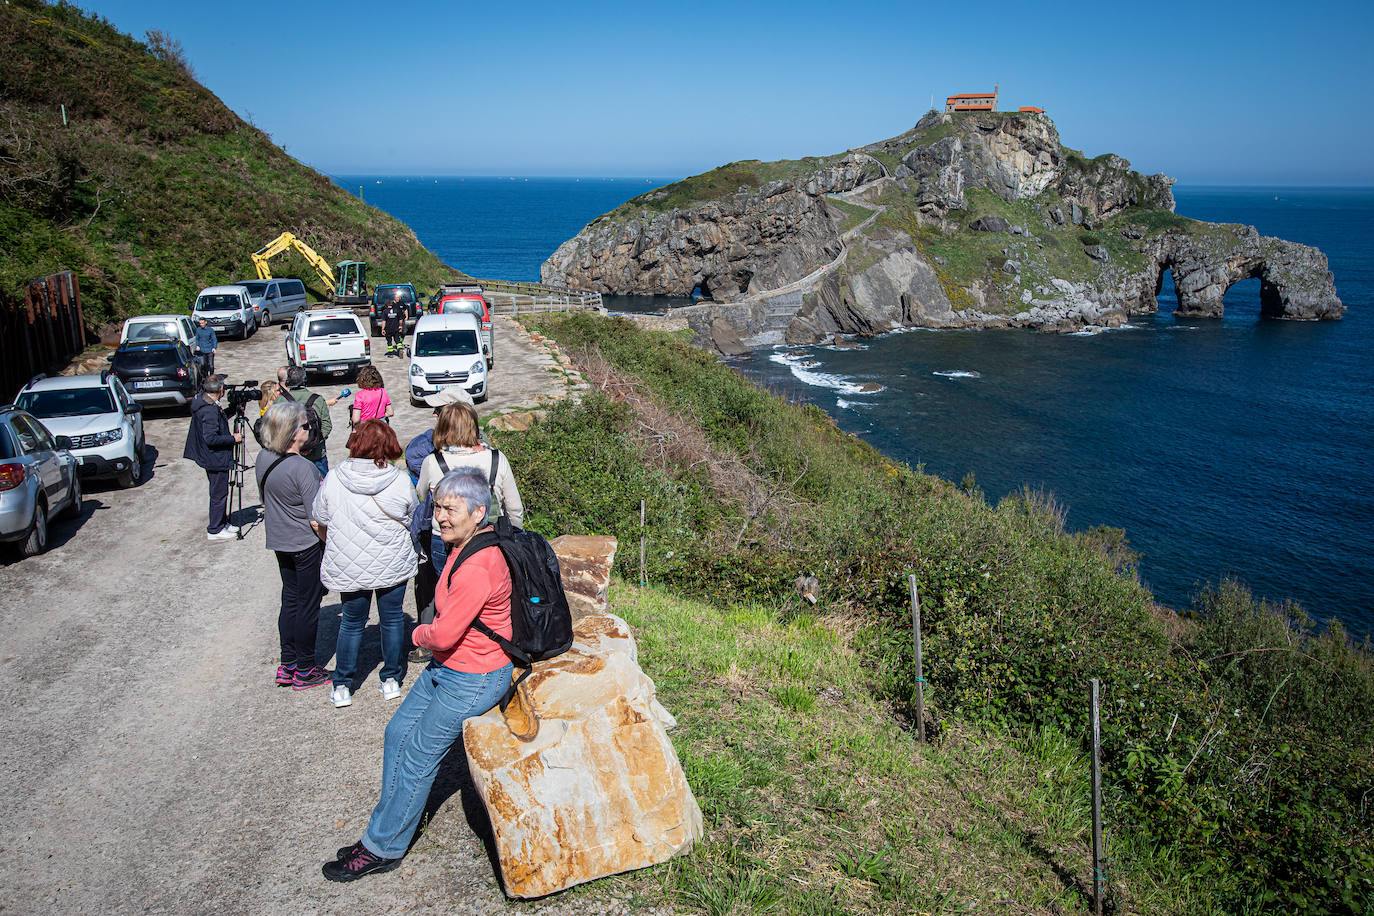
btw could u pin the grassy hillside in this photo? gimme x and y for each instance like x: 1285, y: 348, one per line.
x: 1238, y: 742
x: 153, y: 188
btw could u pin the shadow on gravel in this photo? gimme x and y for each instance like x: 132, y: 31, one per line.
x: 455, y: 778
x: 60, y: 531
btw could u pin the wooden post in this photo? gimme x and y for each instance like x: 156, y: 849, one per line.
x: 1099, y: 876
x: 643, y: 544
x: 920, y: 674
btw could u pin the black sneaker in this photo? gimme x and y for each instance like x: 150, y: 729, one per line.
x: 355, y: 862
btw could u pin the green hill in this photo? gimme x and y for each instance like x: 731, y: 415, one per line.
x: 153, y: 188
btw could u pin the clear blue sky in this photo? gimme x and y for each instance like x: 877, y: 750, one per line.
x: 1209, y: 92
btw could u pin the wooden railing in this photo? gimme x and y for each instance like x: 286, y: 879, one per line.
x: 40, y: 332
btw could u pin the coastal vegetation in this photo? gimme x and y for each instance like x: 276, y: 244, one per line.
x: 116, y: 163
x: 1237, y: 737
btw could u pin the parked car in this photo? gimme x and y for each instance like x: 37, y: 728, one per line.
x: 158, y: 373
x: 103, y: 425
x: 328, y: 341
x: 145, y: 328
x: 274, y: 299
x: 227, y: 309
x: 384, y: 294
x: 447, y: 351
x: 469, y: 298
x: 38, y: 481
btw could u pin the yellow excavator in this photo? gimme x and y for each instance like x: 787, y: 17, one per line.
x: 346, y: 281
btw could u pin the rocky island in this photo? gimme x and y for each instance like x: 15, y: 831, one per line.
x: 969, y: 219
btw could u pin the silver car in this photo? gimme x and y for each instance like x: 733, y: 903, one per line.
x: 38, y: 481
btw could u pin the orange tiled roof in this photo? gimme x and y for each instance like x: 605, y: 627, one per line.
x: 972, y: 95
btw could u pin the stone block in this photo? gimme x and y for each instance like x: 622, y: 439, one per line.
x: 578, y: 776
x: 584, y: 564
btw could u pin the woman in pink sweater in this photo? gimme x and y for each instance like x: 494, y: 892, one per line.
x: 468, y: 676
x: 370, y: 401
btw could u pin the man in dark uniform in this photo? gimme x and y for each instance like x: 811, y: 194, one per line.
x: 394, y: 325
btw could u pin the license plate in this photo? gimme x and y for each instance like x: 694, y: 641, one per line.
x: 336, y: 368
x: 147, y: 384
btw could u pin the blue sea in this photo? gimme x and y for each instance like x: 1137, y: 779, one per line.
x: 1236, y: 447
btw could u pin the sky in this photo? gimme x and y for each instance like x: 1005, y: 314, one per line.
x: 1212, y: 93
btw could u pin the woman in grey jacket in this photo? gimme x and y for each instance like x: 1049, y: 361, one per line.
x: 362, y: 512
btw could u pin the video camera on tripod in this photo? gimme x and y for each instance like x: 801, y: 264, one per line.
x: 236, y: 398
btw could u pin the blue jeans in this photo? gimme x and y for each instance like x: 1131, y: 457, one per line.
x: 322, y: 466
x: 438, y: 553
x: 418, y: 737
x: 393, y: 626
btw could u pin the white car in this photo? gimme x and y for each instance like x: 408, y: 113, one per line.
x: 95, y: 412
x: 147, y: 328
x: 447, y: 351
x: 328, y: 341
x: 227, y: 309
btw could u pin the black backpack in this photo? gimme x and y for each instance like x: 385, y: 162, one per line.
x: 541, y: 622
x: 314, y: 426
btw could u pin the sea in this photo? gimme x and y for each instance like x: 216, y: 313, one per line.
x: 1239, y: 448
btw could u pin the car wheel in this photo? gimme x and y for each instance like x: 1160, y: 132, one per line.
x: 266, y: 319
x: 129, y: 479
x: 37, y: 540
x: 73, y: 509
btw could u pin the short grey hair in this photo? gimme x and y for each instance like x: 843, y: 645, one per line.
x: 469, y: 485
x: 281, y: 374
x: 212, y: 384
x: 279, y: 425
x: 295, y: 377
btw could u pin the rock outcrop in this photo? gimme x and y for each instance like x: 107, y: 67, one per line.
x: 584, y: 564
x: 1077, y: 241
x: 578, y: 775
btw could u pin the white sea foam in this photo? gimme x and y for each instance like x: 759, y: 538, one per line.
x: 958, y: 373
x: 817, y: 379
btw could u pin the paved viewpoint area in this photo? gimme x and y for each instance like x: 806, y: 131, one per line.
x: 153, y: 765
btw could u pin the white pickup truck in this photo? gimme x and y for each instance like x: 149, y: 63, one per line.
x: 328, y: 341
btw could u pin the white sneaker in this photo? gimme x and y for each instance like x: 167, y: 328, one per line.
x: 341, y: 696
x: 227, y: 533
x: 390, y: 689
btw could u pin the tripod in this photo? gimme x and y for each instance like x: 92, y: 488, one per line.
x: 241, y: 428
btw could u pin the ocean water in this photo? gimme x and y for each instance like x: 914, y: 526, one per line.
x: 1236, y: 447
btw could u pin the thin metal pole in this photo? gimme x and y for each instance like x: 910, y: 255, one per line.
x: 642, y: 545
x: 920, y: 674
x: 1099, y: 876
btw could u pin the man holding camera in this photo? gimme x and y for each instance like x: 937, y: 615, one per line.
x: 292, y: 381
x: 210, y: 444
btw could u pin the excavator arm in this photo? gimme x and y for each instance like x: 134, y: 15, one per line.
x: 281, y: 243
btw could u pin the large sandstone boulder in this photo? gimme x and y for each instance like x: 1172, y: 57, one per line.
x: 578, y: 775
x: 584, y: 565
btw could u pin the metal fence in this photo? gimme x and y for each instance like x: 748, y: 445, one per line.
x: 40, y: 330
x: 513, y: 297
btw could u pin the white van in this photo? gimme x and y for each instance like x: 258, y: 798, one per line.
x: 145, y: 328
x: 274, y: 299
x: 227, y: 309
x: 447, y: 351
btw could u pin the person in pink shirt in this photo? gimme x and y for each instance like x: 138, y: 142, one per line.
x: 370, y: 401
x: 468, y: 676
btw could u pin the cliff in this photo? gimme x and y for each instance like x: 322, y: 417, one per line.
x: 148, y: 185
x: 978, y: 219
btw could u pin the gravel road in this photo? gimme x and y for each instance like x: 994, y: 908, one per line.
x: 154, y: 765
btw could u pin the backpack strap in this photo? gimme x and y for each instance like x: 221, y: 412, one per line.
x: 439, y: 457
x: 495, y: 463
x: 270, y: 468
x: 481, y: 542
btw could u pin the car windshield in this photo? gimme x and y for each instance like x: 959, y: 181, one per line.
x: 446, y: 343
x: 470, y: 306
x: 385, y: 294
x: 153, y: 330
x: 67, y: 402
x: 222, y: 302
x: 255, y: 287
x: 151, y: 358
x: 324, y: 327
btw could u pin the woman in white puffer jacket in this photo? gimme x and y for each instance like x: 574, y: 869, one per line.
x: 363, y: 513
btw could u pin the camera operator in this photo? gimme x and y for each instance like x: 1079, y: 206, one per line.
x: 210, y: 444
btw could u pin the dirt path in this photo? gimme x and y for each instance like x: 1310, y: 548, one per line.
x: 153, y: 764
